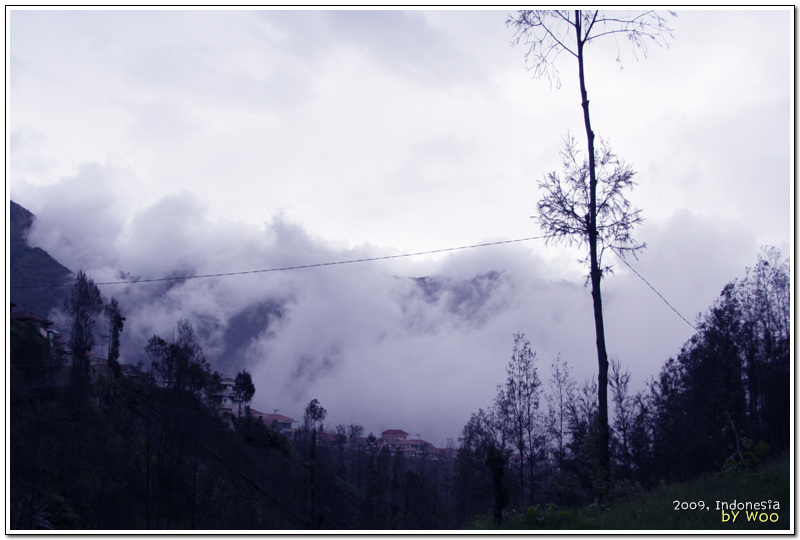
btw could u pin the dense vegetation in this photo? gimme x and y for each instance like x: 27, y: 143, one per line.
x: 137, y: 455
x: 689, y: 506
x: 144, y: 458
x: 106, y: 451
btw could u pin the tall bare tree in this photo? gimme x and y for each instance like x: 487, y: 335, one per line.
x: 517, y: 404
x: 573, y: 212
x: 562, y: 390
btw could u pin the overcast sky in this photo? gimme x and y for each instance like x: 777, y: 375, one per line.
x: 162, y: 142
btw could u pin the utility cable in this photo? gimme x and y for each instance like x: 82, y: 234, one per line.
x: 353, y: 261
x: 620, y: 257
x: 286, y: 268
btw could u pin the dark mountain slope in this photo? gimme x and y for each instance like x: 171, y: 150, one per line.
x: 33, y: 266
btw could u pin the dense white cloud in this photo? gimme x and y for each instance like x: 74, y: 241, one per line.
x: 167, y: 143
x: 81, y: 217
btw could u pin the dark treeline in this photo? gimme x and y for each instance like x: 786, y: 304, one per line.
x: 721, y: 404
x: 138, y: 455
x: 93, y: 448
x: 106, y: 451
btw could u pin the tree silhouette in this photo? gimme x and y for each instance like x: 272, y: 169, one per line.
x: 547, y: 34
x: 243, y: 389
x: 84, y: 304
x: 562, y: 389
x: 314, y: 416
x: 517, y: 403
x: 116, y: 323
x: 482, y: 462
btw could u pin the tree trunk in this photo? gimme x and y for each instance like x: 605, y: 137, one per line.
x: 315, y: 516
x: 521, y: 450
x: 495, y: 461
x: 531, y: 471
x: 595, y: 274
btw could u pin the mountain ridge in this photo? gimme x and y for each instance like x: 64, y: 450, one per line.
x: 37, y: 280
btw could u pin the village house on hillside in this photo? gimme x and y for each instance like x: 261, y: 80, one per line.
x: 229, y: 404
x: 276, y: 422
x: 225, y: 398
x: 41, y: 325
x: 397, y: 440
x: 54, y: 372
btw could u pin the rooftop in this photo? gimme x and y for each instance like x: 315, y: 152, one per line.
x: 31, y: 316
x: 394, y: 433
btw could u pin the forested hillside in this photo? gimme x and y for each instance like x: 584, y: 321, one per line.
x: 721, y: 405
x: 137, y: 454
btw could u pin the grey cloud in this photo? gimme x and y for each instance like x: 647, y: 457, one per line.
x: 80, y: 218
x: 166, y: 236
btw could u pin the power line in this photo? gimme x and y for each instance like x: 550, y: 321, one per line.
x: 353, y: 261
x: 620, y: 257
x: 286, y: 268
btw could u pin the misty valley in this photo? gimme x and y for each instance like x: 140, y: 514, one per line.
x: 118, y: 423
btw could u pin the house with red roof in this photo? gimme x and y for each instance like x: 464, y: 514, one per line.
x: 276, y: 422
x: 397, y: 440
x: 40, y: 323
x: 394, y: 436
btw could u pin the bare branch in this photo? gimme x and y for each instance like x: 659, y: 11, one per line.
x: 563, y: 210
x: 547, y: 33
x: 589, y: 27
x: 544, y: 42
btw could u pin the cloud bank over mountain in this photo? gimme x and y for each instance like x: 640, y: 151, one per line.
x: 417, y: 343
